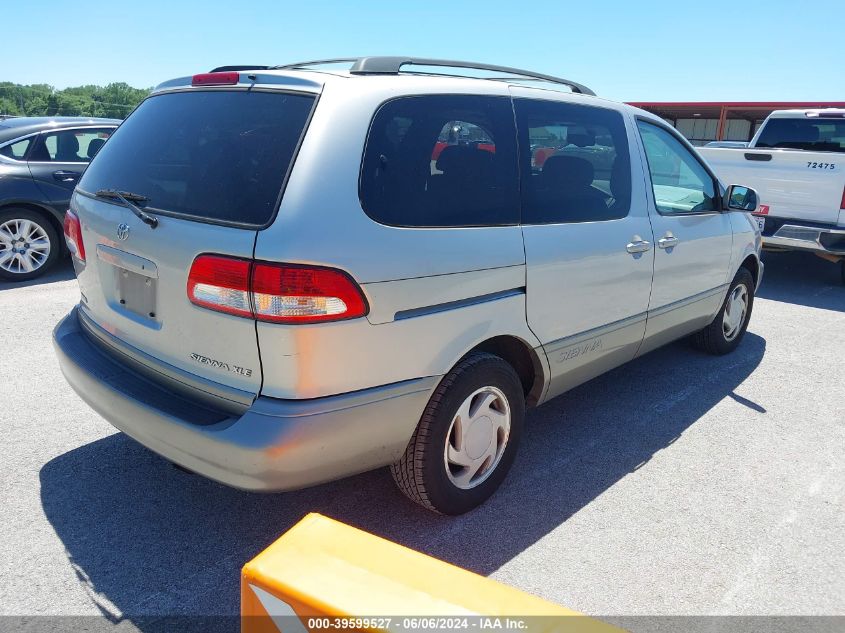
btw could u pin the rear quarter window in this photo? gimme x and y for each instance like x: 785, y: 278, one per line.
x: 442, y: 161
x: 16, y: 150
x: 220, y: 156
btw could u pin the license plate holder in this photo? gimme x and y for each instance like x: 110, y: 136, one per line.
x: 136, y: 293
x: 134, y: 282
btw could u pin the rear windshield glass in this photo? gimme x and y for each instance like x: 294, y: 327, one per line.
x: 818, y: 135
x: 215, y: 155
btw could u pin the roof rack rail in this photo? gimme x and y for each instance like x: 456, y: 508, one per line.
x: 226, y: 69
x: 393, y: 66
x: 317, y: 62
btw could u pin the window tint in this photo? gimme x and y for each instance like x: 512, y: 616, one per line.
x: 442, y: 161
x: 575, y: 162
x: 679, y: 181
x: 819, y: 135
x: 219, y: 155
x: 70, y: 146
x: 16, y: 150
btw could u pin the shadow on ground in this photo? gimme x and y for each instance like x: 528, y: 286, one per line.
x: 62, y: 271
x: 148, y: 539
x: 803, y: 279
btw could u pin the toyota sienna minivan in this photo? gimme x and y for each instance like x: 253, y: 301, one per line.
x: 293, y: 274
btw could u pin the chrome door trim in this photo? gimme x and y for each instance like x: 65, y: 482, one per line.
x: 668, y: 241
x: 580, y: 337
x: 638, y: 245
x: 575, y: 339
x: 669, y: 307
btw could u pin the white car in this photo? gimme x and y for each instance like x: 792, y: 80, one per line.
x: 796, y: 162
x: 290, y: 275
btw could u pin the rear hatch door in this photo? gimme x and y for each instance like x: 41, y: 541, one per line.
x: 210, y: 165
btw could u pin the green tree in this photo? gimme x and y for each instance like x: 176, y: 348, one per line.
x: 115, y: 100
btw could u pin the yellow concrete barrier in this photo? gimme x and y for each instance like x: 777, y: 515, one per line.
x: 324, y: 575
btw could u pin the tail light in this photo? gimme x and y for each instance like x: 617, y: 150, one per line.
x: 220, y: 283
x: 277, y: 293
x: 304, y: 294
x: 73, y: 235
x: 842, y: 204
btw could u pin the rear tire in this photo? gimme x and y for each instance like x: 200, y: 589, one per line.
x: 725, y: 332
x: 29, y: 245
x: 467, y: 437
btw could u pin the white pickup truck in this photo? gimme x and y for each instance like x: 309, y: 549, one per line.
x: 796, y: 163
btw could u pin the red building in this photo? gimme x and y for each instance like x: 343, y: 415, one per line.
x: 702, y: 122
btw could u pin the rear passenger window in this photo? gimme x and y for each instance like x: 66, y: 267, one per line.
x: 70, y: 146
x: 575, y: 163
x: 439, y: 161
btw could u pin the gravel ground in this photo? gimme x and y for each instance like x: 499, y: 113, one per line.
x: 680, y: 484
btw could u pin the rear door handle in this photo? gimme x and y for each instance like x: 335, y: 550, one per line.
x: 638, y: 245
x: 66, y: 176
x: 670, y: 241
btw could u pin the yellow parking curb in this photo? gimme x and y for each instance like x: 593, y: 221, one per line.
x: 333, y: 576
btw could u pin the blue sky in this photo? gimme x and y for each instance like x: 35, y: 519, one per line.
x: 634, y: 50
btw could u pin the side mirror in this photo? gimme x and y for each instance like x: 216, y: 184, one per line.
x: 740, y: 198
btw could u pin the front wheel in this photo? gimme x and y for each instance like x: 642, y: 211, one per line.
x: 29, y: 245
x: 467, y: 437
x: 725, y: 332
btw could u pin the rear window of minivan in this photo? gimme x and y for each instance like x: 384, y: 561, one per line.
x: 218, y: 156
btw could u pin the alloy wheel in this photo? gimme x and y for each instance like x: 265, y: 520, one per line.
x: 24, y: 246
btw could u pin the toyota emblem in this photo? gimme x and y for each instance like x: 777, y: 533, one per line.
x: 122, y: 231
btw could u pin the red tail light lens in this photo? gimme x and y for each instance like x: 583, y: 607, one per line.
x: 215, y: 79
x: 304, y: 294
x: 73, y: 235
x: 220, y: 283
x: 278, y: 293
x: 842, y: 204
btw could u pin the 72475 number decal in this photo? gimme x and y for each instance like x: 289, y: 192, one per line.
x: 814, y: 165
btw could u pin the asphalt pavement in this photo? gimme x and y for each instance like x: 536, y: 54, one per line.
x: 679, y: 484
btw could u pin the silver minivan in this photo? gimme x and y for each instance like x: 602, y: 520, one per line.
x: 293, y: 274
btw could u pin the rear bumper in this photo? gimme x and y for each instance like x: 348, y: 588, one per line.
x: 807, y: 237
x: 273, y: 445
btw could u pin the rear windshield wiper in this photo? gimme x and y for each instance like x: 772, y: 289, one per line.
x: 127, y: 198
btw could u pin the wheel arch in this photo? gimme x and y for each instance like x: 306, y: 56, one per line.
x: 523, y: 358
x: 752, y: 265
